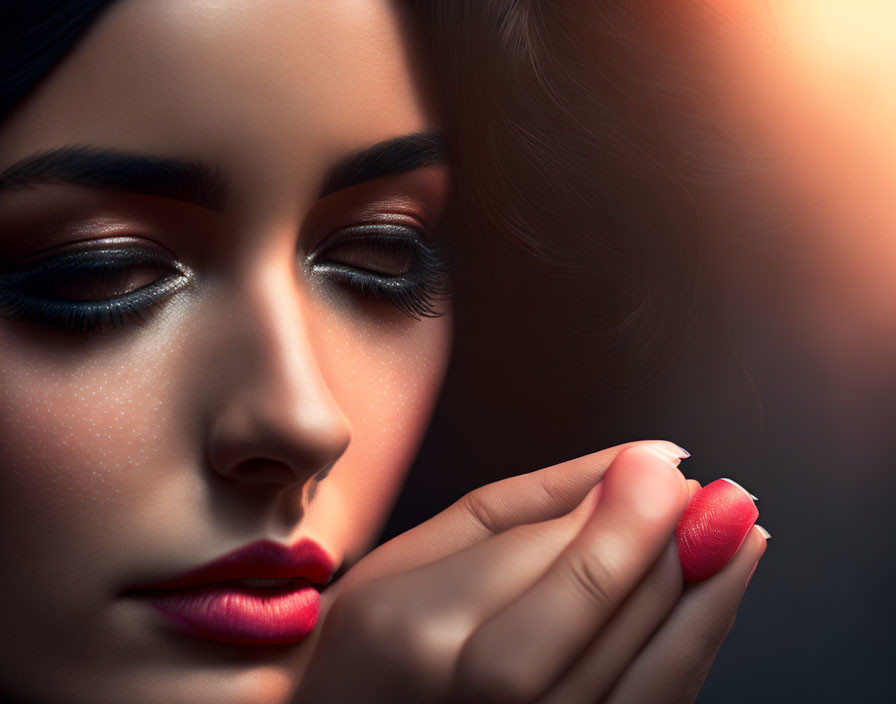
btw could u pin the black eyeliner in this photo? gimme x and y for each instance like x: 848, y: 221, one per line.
x: 23, y: 292
x: 415, y: 292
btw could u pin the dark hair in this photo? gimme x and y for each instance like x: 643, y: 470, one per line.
x: 34, y: 36
x: 555, y: 161
x: 583, y: 140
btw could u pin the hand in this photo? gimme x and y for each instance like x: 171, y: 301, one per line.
x: 557, y: 586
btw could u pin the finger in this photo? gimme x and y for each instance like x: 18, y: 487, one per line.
x: 491, y: 509
x: 425, y: 614
x: 459, y: 592
x: 434, y: 608
x: 518, y: 653
x: 673, y: 666
x: 607, y: 657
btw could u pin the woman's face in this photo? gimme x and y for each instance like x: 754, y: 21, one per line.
x: 204, y: 336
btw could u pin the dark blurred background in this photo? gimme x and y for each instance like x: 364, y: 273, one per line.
x: 676, y: 220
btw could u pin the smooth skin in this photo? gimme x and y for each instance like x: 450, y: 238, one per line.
x: 262, y: 402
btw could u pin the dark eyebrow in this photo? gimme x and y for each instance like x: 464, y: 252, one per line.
x: 108, y: 169
x: 388, y: 158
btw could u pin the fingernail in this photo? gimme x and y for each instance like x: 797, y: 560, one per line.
x: 763, y: 531
x: 670, y: 448
x: 664, y: 454
x: 755, y: 498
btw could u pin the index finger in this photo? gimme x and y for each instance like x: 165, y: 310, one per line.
x: 536, y: 496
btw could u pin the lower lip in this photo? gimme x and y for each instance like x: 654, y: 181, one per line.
x: 234, y: 613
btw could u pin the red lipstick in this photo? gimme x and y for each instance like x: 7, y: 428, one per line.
x: 261, y: 594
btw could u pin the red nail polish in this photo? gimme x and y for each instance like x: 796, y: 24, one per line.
x: 712, y: 528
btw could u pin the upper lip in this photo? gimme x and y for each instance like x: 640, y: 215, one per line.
x: 264, y: 559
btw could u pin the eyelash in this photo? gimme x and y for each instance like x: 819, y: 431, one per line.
x: 414, y: 292
x: 20, y: 299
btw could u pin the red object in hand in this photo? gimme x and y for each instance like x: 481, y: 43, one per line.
x: 712, y: 528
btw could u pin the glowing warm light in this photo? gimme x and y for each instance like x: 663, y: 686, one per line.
x: 838, y: 29
x: 847, y: 41
x: 811, y: 86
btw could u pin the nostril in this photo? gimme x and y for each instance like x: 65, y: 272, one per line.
x: 259, y: 470
x: 256, y: 465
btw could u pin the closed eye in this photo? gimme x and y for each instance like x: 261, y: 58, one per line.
x: 388, y: 262
x: 391, y: 256
x: 93, y: 288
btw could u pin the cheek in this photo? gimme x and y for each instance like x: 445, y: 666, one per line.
x: 83, y: 431
x: 387, y: 383
x: 75, y: 440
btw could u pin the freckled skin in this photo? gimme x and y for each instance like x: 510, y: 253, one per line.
x: 124, y: 453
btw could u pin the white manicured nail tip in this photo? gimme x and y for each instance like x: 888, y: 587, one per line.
x: 663, y: 454
x: 731, y: 481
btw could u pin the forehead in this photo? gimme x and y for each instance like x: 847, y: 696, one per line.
x: 272, y: 90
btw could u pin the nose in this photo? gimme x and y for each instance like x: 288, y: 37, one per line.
x: 275, y: 420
